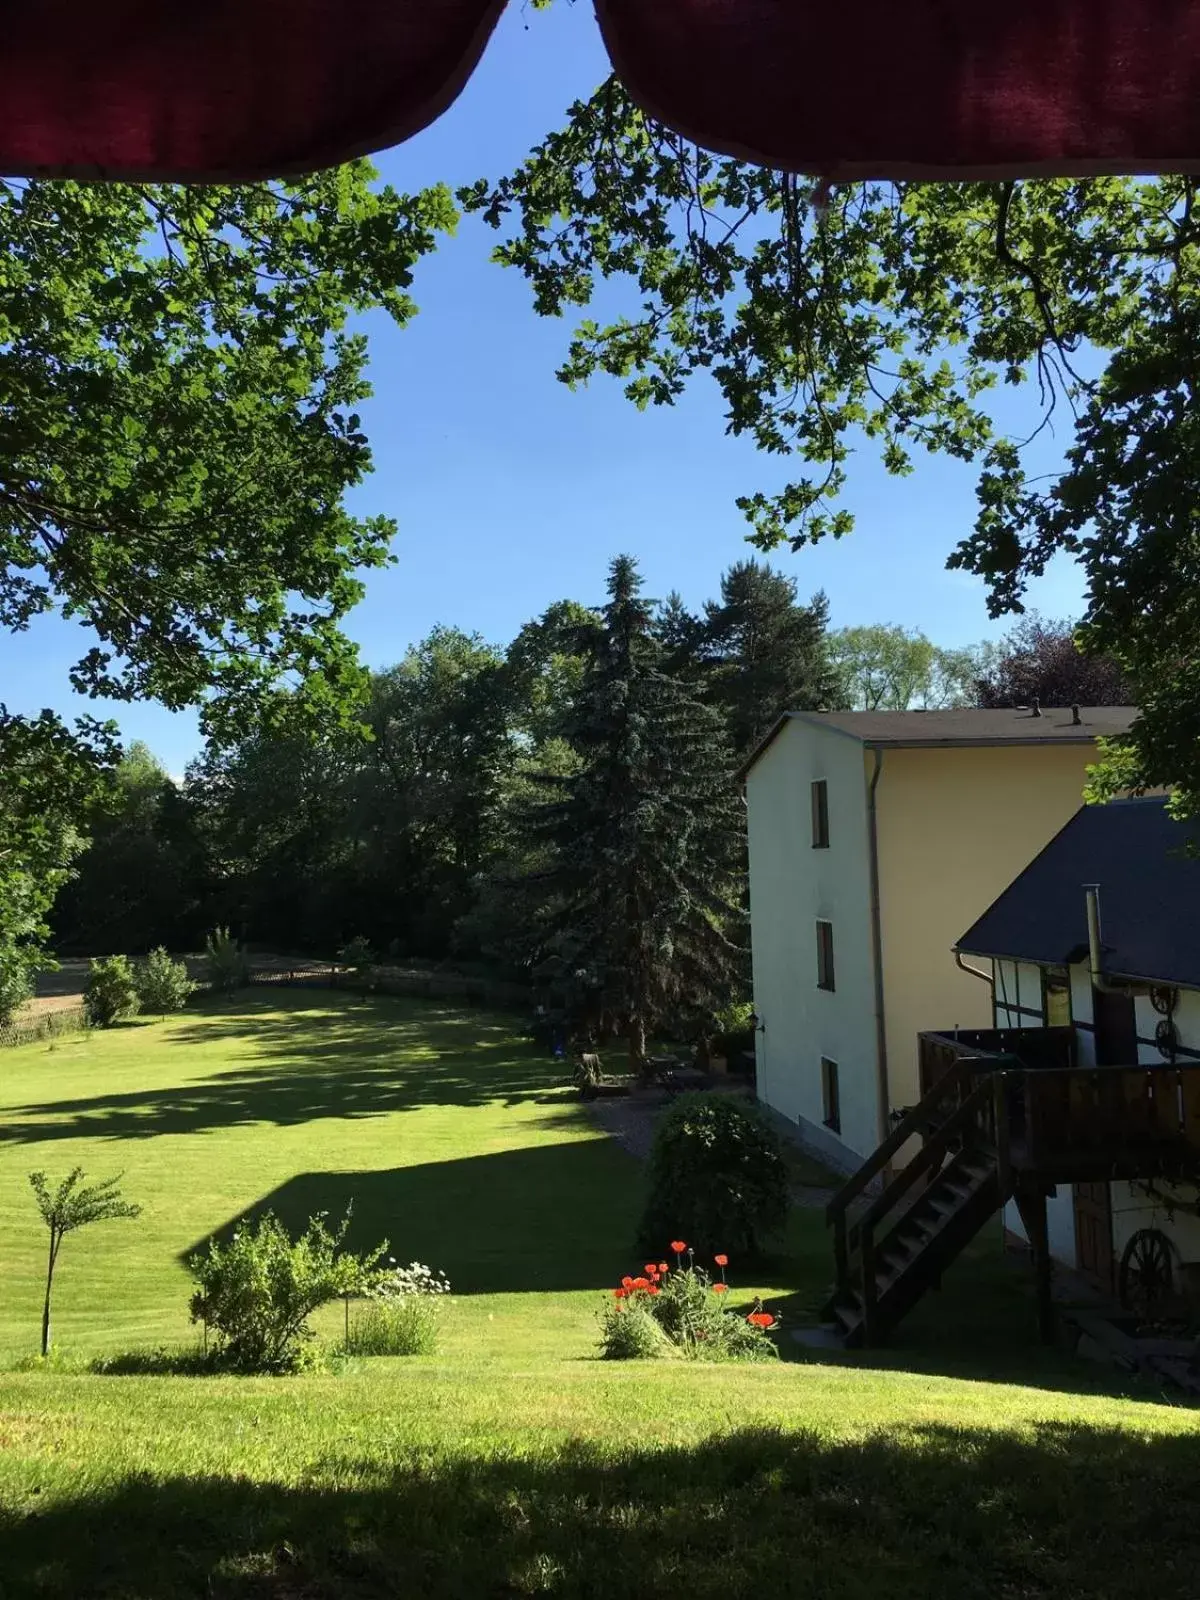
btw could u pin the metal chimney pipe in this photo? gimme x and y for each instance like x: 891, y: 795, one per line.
x: 1095, y: 957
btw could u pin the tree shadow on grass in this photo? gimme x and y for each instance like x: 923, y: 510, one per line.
x: 548, y: 1217
x: 339, y: 1058
x: 968, y: 1515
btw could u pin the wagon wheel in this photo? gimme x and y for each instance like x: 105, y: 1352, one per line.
x: 1147, y: 1279
x: 1164, y: 999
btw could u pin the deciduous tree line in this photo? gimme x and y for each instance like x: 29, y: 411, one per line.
x: 565, y: 807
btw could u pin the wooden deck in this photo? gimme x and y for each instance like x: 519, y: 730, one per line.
x: 1005, y: 1114
x: 1070, y: 1124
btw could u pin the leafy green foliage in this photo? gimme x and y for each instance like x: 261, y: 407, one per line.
x: 225, y: 964
x: 162, y: 984
x: 188, y: 385
x: 69, y: 1207
x: 52, y: 776
x: 717, y: 1176
x: 319, y: 841
x: 886, y: 316
x: 883, y: 667
x: 16, y: 986
x: 112, y: 991
x: 174, y: 464
x: 256, y: 1292
x: 641, y: 838
x: 145, y: 874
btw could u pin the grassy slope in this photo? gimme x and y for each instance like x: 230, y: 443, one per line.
x: 443, y: 1131
x: 510, y: 1463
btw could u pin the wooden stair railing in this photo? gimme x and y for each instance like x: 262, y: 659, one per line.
x: 977, y: 1125
x: 922, y: 1119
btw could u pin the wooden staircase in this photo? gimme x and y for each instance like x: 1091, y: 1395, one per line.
x: 904, y: 1236
x: 912, y: 1256
x: 1006, y: 1114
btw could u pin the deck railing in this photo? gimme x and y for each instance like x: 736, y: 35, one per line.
x: 1145, y: 1117
x: 1062, y: 1118
x: 1033, y: 1047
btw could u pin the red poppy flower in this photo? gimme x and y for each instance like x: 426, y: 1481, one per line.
x: 722, y: 1261
x: 626, y: 1282
x: 619, y: 1294
x: 761, y: 1319
x: 641, y: 1283
x: 653, y: 1289
x: 719, y: 1288
x: 678, y: 1246
x: 648, y: 1269
x: 663, y: 1268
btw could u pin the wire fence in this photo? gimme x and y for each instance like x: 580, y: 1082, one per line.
x: 49, y: 1025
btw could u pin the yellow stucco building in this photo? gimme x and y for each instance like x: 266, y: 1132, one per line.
x: 875, y: 839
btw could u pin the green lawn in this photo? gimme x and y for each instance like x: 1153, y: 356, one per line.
x: 964, y: 1462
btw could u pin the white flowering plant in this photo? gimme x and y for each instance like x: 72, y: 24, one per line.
x: 392, y: 1282
x: 403, y: 1314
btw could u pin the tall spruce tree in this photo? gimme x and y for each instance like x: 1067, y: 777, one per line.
x: 643, y: 918
x: 766, y: 653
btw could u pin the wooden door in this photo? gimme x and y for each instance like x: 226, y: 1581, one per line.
x: 1093, y: 1232
x: 1116, y: 1029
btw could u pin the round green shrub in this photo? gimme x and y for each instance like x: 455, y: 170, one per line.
x: 717, y: 1177
x: 111, y: 991
x: 162, y: 984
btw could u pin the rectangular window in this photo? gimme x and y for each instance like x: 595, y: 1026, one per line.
x: 820, y: 815
x: 830, y: 1098
x: 1056, y: 997
x: 825, y: 955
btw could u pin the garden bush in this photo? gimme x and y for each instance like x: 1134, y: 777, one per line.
x: 358, y: 956
x: 225, y: 964
x: 683, y: 1311
x: 111, y: 991
x: 717, y: 1176
x: 162, y: 984
x: 257, y: 1292
x: 403, y: 1317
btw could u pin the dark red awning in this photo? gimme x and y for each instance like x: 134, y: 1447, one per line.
x: 234, y: 89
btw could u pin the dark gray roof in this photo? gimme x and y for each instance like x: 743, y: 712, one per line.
x: 921, y: 729
x: 1149, y: 897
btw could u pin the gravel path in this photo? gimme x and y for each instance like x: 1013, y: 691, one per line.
x: 629, y: 1120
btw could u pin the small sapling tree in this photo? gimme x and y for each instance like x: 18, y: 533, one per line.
x: 73, y: 1205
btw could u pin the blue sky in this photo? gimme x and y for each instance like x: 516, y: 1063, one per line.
x: 511, y: 492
